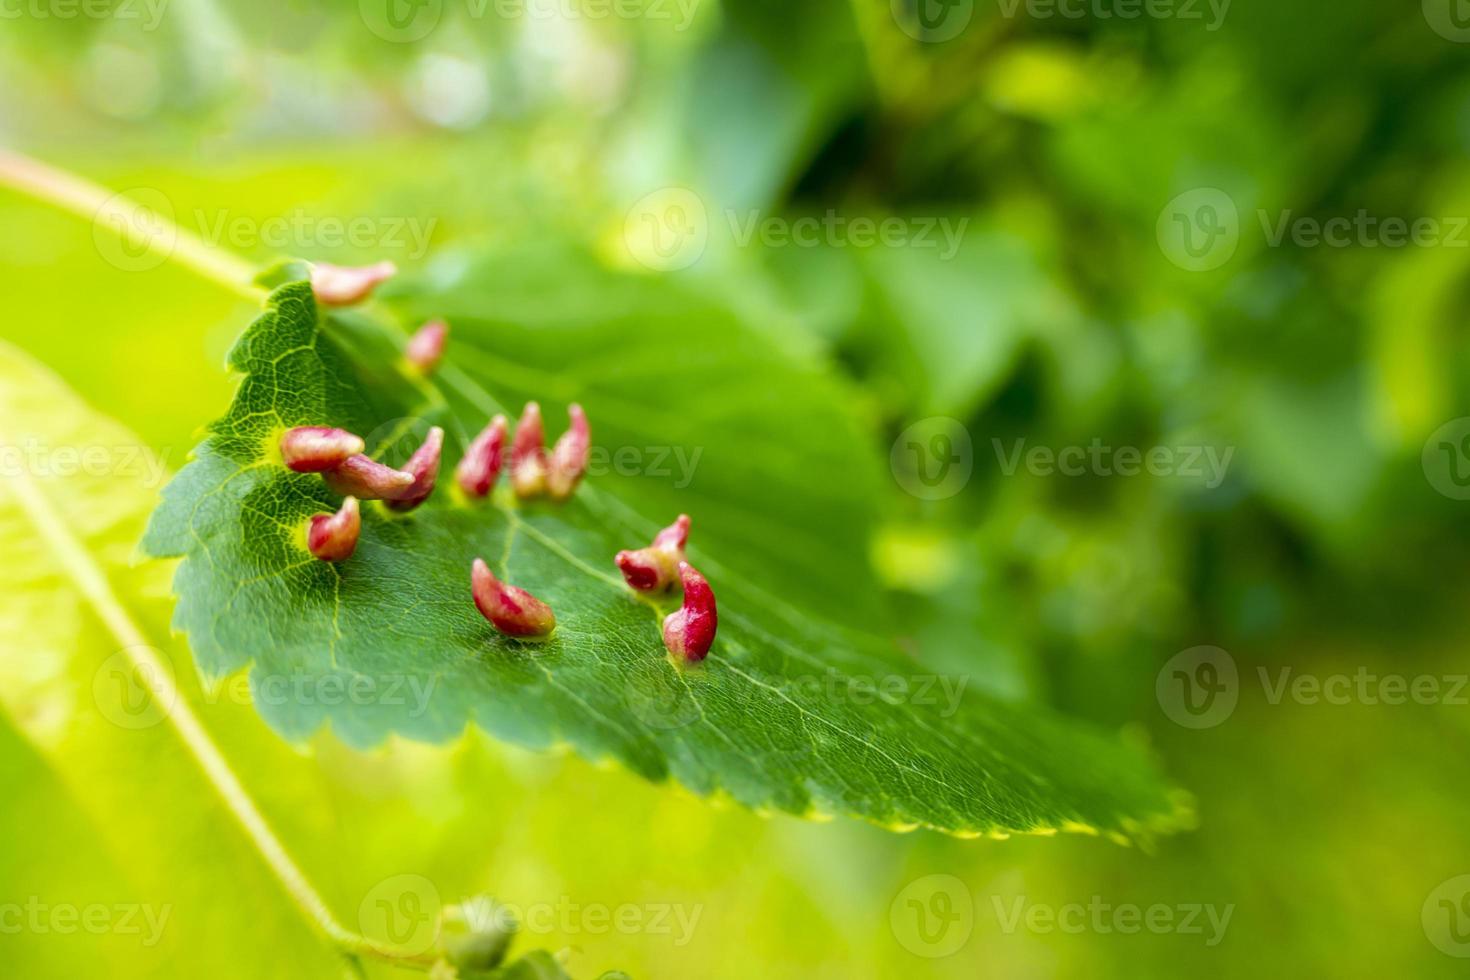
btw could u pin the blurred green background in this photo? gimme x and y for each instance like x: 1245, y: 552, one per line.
x: 1086, y: 155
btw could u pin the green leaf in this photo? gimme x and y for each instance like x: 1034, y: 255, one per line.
x: 792, y: 711
x: 956, y: 317
x: 765, y: 91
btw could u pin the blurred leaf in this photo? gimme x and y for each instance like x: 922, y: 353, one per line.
x: 66, y: 862
x: 539, y: 965
x: 766, y: 91
x: 69, y: 690
x: 1308, y: 448
x: 962, y: 308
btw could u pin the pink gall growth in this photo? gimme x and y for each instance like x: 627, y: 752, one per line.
x: 528, y: 454
x: 343, y: 285
x: 314, y: 448
x: 333, y: 537
x: 480, y: 467
x: 689, y: 631
x: 654, y: 569
x: 423, y: 466
x: 513, y: 611
x: 367, y: 479
x: 426, y: 347
x: 569, y: 455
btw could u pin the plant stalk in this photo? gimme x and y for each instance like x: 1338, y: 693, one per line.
x: 138, y: 225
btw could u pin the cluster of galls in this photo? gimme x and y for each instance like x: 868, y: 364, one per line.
x: 689, y: 630
x: 339, y: 456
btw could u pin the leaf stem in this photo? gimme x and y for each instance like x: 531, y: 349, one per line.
x: 137, y: 224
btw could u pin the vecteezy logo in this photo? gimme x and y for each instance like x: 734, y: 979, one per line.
x: 1198, y: 687
x: 667, y: 230
x: 135, y: 230
x: 402, y: 911
x: 1446, y: 916
x: 1199, y: 229
x: 933, y: 458
x: 1446, y: 459
x: 932, y: 21
x: 401, y: 21
x: 1450, y: 19
x: 133, y: 692
x: 933, y: 916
